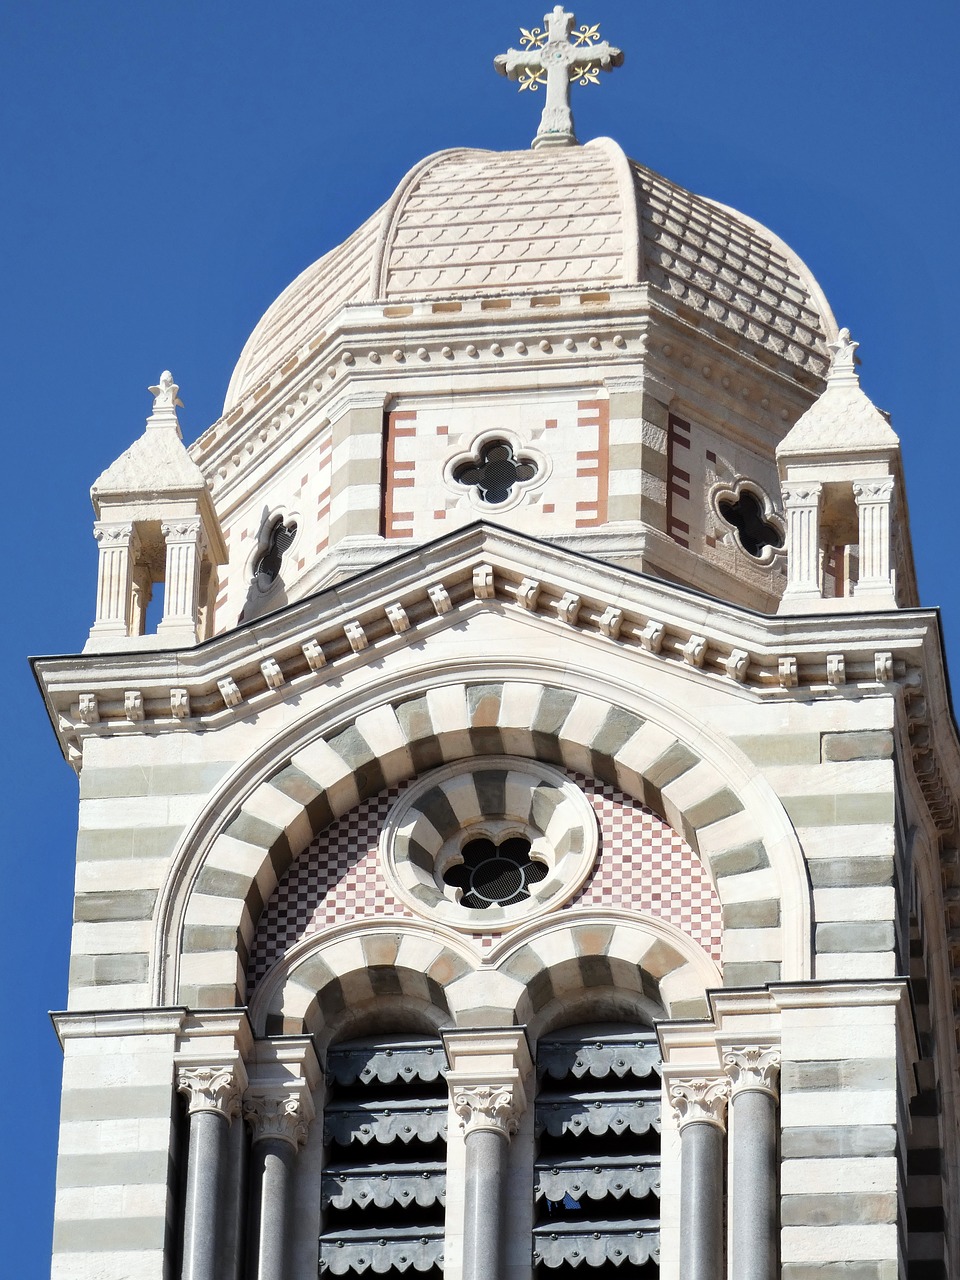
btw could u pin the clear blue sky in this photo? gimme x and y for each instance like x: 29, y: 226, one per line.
x: 168, y: 167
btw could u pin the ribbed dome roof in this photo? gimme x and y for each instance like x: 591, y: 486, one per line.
x: 494, y: 222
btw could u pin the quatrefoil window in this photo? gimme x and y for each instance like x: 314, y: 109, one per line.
x: 756, y: 533
x: 496, y: 472
x: 495, y: 875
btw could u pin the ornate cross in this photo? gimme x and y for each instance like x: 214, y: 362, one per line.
x: 558, y: 56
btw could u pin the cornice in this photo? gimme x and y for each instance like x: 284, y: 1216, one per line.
x: 484, y: 567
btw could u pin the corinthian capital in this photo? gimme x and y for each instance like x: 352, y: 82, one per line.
x: 699, y: 1098
x: 487, y: 1107
x: 283, y: 1117
x: 210, y: 1088
x: 752, y: 1067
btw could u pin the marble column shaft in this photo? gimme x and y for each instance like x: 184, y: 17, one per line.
x: 699, y: 1105
x: 753, y: 1162
x: 213, y: 1095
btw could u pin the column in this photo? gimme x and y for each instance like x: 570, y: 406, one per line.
x: 489, y: 1116
x: 753, y: 1071
x: 213, y: 1099
x: 874, y: 500
x: 114, y: 577
x: 279, y: 1126
x: 801, y: 503
x: 182, y: 580
x: 486, y: 1082
x: 699, y: 1104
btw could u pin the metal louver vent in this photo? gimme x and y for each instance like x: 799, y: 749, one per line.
x: 384, y: 1180
x: 597, y: 1173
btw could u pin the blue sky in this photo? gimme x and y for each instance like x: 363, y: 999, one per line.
x: 168, y: 167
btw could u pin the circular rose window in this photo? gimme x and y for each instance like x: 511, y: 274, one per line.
x: 489, y: 842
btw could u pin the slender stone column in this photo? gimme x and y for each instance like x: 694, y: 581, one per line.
x: 181, y: 597
x: 489, y: 1116
x: 699, y: 1104
x: 753, y: 1074
x: 117, y: 544
x: 213, y: 1099
x: 801, y: 502
x: 874, y: 499
x: 279, y: 1126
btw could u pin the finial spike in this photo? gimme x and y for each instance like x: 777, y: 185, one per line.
x: 557, y: 56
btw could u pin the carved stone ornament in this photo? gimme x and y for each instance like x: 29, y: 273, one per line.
x: 700, y: 1099
x: 487, y: 1107
x: 182, y: 530
x: 880, y: 490
x: 115, y: 534
x: 801, y: 495
x: 165, y: 393
x: 210, y: 1089
x: 281, y: 1118
x: 752, y: 1067
x: 843, y: 361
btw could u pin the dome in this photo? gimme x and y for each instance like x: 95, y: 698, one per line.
x: 467, y: 222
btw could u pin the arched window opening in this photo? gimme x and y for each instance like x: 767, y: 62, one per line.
x: 384, y: 1181
x: 597, y: 1170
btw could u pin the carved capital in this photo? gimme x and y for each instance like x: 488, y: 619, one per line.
x: 487, y: 1107
x: 801, y: 495
x: 210, y: 1088
x: 182, y: 530
x: 113, y: 535
x: 752, y: 1067
x: 879, y: 490
x: 700, y: 1099
x: 283, y: 1117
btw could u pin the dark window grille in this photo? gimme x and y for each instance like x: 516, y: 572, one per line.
x: 495, y: 875
x: 747, y: 517
x: 496, y: 473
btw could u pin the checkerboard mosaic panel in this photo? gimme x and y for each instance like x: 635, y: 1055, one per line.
x: 644, y: 865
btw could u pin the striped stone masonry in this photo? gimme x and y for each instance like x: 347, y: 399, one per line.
x: 116, y: 1186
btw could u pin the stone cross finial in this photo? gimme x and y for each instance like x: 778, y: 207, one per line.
x: 843, y: 365
x: 556, y: 56
x: 165, y: 393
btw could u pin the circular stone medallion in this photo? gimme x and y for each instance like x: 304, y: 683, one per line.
x: 489, y: 842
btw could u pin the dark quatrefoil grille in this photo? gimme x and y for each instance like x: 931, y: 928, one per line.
x: 746, y: 516
x: 492, y: 875
x: 496, y: 473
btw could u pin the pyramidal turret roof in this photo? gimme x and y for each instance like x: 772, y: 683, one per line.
x: 157, y: 462
x: 843, y: 419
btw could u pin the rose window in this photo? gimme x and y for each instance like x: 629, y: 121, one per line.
x: 495, y: 875
x: 488, y: 842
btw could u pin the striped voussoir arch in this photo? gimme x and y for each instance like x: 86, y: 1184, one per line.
x: 624, y: 967
x: 459, y: 721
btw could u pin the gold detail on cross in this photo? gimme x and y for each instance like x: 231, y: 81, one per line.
x: 557, y: 56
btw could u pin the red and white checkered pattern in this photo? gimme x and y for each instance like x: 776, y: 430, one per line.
x: 644, y: 865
